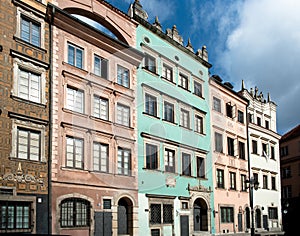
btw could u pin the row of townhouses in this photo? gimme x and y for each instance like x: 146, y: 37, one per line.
x: 126, y: 132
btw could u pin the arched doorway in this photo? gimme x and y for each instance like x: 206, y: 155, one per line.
x: 247, y: 215
x: 258, y: 218
x: 200, y: 215
x: 125, y: 210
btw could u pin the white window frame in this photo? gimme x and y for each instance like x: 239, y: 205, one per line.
x: 100, y: 158
x: 100, y: 66
x: 35, y: 18
x: 30, y: 126
x: 201, y: 115
x: 200, y: 82
x: 172, y: 148
x: 129, y: 170
x: 154, y: 94
x: 31, y: 68
x: 101, y: 106
x: 164, y: 74
x: 122, y: 82
x: 120, y: 118
x: 74, y: 138
x: 181, y: 78
x: 185, y: 118
x: 173, y: 102
x: 77, y: 90
x: 154, y: 143
x: 217, y: 106
x: 184, y: 151
x: 200, y: 155
x: 75, y: 46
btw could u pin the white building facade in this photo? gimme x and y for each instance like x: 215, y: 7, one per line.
x: 264, y: 162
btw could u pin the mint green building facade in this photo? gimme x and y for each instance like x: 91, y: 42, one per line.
x: 174, y: 158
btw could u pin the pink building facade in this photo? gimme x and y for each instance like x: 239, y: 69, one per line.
x: 229, y: 153
x: 93, y: 169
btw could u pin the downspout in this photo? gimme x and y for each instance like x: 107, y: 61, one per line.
x: 249, y: 175
x: 50, y: 18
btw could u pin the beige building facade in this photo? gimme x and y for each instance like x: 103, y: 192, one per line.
x: 93, y: 169
x: 230, y: 159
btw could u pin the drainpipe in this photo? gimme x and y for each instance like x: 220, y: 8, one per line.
x: 50, y: 123
x: 249, y: 175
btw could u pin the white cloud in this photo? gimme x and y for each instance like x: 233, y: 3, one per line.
x: 264, y: 49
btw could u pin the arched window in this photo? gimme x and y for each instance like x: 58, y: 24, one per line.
x: 75, y: 212
x: 248, y: 218
x: 258, y: 218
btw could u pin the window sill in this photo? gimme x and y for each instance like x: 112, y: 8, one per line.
x: 123, y: 126
x: 151, y: 72
x: 73, y: 66
x: 171, y: 122
x: 167, y: 80
x: 73, y: 169
x: 184, y: 88
x: 74, y: 112
x: 153, y: 116
x: 42, y: 105
x: 199, y: 96
x: 28, y: 161
x: 100, y: 119
x: 202, y: 134
x: 75, y: 228
x: 98, y: 76
x: 187, y: 128
x: 42, y: 50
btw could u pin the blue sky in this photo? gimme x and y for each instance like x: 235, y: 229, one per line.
x: 254, y: 40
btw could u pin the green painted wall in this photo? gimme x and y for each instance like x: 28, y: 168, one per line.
x: 153, y: 181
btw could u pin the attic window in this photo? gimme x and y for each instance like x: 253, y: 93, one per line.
x: 146, y: 39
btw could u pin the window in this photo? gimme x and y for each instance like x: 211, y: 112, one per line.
x: 199, y: 124
x: 284, y: 151
x: 254, y: 147
x: 273, y: 182
x: 15, y: 216
x: 232, y: 180
x: 220, y: 178
x: 250, y: 118
x: 100, y: 157
x: 183, y: 81
x: 169, y: 112
x: 272, y: 153
x: 255, y: 177
x: 150, y: 105
x: 218, y: 142
x: 75, y: 56
x: 28, y: 144
x: 123, y: 115
x: 198, y: 89
x: 227, y: 214
x: 167, y: 73
x: 240, y: 116
x: 286, y: 172
x: 287, y: 191
x: 150, y: 63
x: 74, y: 152
x: 258, y: 121
x: 75, y: 212
x: 101, y: 108
x: 30, y: 31
x: 216, y: 104
x: 265, y: 150
x: 265, y: 182
x: 242, y: 150
x: 100, y: 66
x: 123, y: 76
x: 29, y: 86
x: 186, y: 164
x: 124, y: 161
x: 243, y: 183
x: 161, y: 214
x: 155, y: 232
x: 267, y: 124
x: 75, y: 99
x: 200, y: 167
x: 273, y: 213
x: 185, y: 118
x: 229, y: 108
x: 230, y: 146
x: 170, y: 160
x: 151, y: 157
x: 106, y: 203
